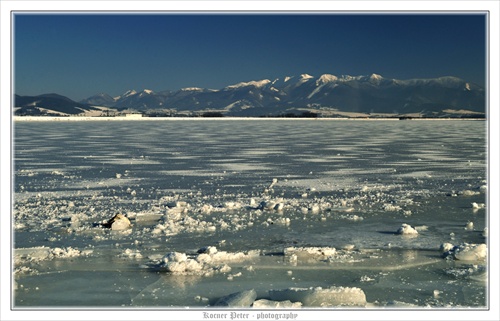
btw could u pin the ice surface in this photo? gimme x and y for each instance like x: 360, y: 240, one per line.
x: 216, y: 207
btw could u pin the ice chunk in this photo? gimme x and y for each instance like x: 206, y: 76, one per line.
x: 469, y: 193
x: 319, y: 297
x: 179, y: 263
x: 223, y: 256
x: 391, y: 208
x: 407, y: 229
x: 309, y: 252
x: 470, y: 252
x: 129, y: 253
x: 268, y: 304
x: 446, y: 247
x: 208, y: 250
x: 279, y: 207
x: 207, y: 261
x: 477, y: 205
x: 121, y: 225
x: 267, y: 205
x: 175, y: 266
x: 232, y: 205
x: 465, y: 251
x: 242, y: 299
x: 348, y: 247
x: 146, y: 217
x: 174, y: 257
x: 118, y: 222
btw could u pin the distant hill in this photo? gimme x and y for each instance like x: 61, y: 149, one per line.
x: 48, y: 104
x: 326, y: 95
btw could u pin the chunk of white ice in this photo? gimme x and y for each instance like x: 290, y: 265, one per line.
x: 319, y: 297
x: 268, y: 304
x: 407, y: 229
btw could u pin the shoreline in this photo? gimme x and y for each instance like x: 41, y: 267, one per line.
x: 119, y: 118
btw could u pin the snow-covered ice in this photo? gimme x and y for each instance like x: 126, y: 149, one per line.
x: 254, y: 213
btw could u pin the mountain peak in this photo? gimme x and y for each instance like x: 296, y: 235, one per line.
x: 192, y: 89
x: 129, y: 93
x: 326, y: 78
x: 257, y: 83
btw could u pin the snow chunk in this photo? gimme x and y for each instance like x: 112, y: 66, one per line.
x: 391, y: 208
x: 407, y: 229
x: 67, y: 252
x: 118, y: 222
x: 178, y: 262
x: 242, y: 299
x: 468, y: 192
x: 223, y: 256
x: 319, y: 297
x: 174, y: 257
x: 310, y: 252
x: 207, y: 261
x: 477, y: 206
x: 268, y: 304
x: 211, y: 250
x: 446, y: 247
x: 121, y: 224
x: 133, y: 254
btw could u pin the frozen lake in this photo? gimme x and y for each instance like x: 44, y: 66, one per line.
x: 273, y: 209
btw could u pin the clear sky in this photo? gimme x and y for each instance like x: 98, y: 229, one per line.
x: 81, y: 55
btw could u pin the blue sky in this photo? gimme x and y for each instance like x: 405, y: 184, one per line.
x: 79, y: 55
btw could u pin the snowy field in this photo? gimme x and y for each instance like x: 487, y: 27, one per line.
x: 250, y: 213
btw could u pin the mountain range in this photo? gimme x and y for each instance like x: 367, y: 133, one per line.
x: 326, y: 95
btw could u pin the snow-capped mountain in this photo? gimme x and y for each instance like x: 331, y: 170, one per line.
x: 368, y: 94
x: 296, y: 94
